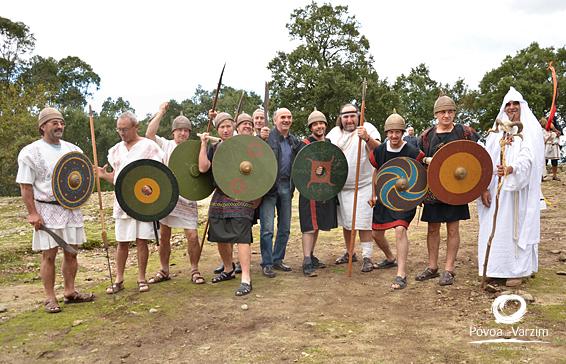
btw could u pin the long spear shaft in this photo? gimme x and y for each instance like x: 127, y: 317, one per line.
x: 100, y: 208
x: 266, y: 103
x: 353, y: 231
x: 239, y: 108
x: 215, y: 100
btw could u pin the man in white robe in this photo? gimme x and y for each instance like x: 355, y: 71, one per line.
x: 514, y: 249
x: 346, y: 135
x: 132, y: 148
x: 36, y: 163
x: 185, y: 214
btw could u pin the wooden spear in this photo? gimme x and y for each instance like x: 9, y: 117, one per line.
x: 353, y: 231
x: 100, y: 207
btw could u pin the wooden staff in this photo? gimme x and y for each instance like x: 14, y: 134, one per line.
x: 266, y: 103
x: 214, y: 102
x: 353, y: 232
x: 100, y: 208
x: 239, y: 107
x: 500, y: 179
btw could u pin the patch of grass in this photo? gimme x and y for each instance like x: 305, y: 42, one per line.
x: 546, y: 281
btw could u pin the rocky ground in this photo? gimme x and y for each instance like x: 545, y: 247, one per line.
x: 329, y: 318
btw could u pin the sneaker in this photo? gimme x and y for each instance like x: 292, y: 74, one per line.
x: 282, y: 267
x: 317, y: 264
x: 268, y: 271
x: 308, y: 268
x: 367, y: 265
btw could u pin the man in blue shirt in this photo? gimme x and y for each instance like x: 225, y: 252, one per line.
x: 285, y: 146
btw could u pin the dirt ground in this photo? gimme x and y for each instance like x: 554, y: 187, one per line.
x: 330, y: 318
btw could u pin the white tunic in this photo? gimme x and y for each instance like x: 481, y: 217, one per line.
x: 36, y: 163
x: 185, y: 213
x: 348, y: 143
x: 514, y: 249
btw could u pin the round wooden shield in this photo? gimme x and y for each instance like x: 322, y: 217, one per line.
x: 193, y: 185
x: 401, y: 184
x: 73, y: 180
x: 147, y: 190
x: 459, y: 172
x: 244, y: 167
x: 320, y: 171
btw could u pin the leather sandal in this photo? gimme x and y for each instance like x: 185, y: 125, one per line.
x: 52, y: 306
x: 225, y: 276
x: 77, y: 297
x: 143, y: 286
x: 447, y: 278
x: 427, y: 274
x: 160, y: 276
x: 244, y: 289
x: 115, y: 288
x: 399, y: 283
x: 344, y: 258
x: 196, y: 277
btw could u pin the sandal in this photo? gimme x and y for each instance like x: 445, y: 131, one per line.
x: 143, y: 286
x: 52, y: 306
x: 160, y: 276
x: 384, y: 264
x: 399, y: 283
x: 344, y: 258
x: 224, y: 276
x: 447, y: 278
x: 427, y: 274
x: 244, y: 289
x: 115, y: 288
x: 196, y: 277
x: 77, y: 297
x: 367, y: 265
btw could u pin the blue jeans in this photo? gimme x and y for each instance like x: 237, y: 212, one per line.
x: 282, y: 202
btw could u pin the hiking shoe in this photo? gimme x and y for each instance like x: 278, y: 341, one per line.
x: 308, y: 268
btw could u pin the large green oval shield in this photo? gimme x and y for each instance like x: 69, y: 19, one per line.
x: 73, y: 180
x: 147, y: 190
x: 193, y: 185
x: 320, y: 171
x: 244, y: 167
x: 401, y: 184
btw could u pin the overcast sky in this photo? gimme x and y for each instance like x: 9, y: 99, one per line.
x: 149, y: 52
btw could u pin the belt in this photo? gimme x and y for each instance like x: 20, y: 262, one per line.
x: 49, y: 202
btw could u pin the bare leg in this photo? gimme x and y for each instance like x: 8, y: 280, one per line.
x: 165, y: 248
x: 193, y: 247
x: 402, y: 250
x: 308, y: 243
x: 315, y: 238
x: 225, y: 250
x: 69, y: 269
x: 245, y: 257
x: 47, y: 272
x: 347, y: 233
x: 433, y: 244
x: 383, y: 244
x: 143, y: 254
x: 453, y: 243
x: 122, y: 252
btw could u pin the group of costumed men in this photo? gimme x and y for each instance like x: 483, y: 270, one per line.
x: 515, y: 243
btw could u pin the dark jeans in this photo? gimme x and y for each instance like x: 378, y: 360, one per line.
x: 282, y: 202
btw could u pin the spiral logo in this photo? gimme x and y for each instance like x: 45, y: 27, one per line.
x: 499, y: 304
